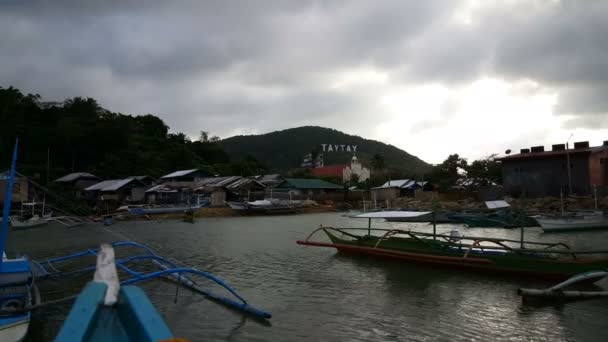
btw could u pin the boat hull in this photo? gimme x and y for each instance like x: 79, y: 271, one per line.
x: 439, y: 253
x: 162, y: 210
x: 15, y: 330
x: 563, y: 225
x: 29, y: 223
x: 132, y: 318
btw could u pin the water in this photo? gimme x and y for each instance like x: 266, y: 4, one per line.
x: 315, y: 294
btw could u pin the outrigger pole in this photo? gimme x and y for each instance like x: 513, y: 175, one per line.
x: 7, y: 200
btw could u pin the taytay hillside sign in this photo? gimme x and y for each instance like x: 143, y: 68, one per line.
x: 339, y: 148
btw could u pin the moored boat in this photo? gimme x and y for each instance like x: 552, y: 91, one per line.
x: 497, y: 255
x: 17, y: 288
x: 33, y: 221
x: 267, y: 206
x: 576, y: 222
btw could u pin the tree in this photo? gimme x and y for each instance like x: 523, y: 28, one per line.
x: 378, y: 162
x: 448, y: 172
x: 486, y: 170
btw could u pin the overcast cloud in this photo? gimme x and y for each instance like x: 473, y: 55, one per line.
x: 431, y: 77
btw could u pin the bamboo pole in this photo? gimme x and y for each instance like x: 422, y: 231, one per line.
x: 561, y: 294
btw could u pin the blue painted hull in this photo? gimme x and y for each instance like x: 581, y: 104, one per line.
x: 132, y: 318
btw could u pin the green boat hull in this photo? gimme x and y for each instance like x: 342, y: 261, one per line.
x: 437, y: 252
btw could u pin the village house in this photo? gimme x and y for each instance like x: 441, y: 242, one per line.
x: 77, y: 182
x: 232, y: 188
x: 116, y: 191
x: 398, y: 188
x: 183, y: 178
x: 22, y: 189
x: 269, y: 181
x: 539, y: 173
x: 315, y: 189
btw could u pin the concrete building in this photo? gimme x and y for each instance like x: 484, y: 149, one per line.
x: 356, y: 169
x: 539, y: 173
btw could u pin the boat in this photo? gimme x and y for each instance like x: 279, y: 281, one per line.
x: 61, y: 268
x: 30, y: 220
x: 267, y: 206
x: 163, y: 209
x: 33, y: 221
x: 494, y: 255
x: 106, y: 311
x: 574, y: 222
x: 424, y: 217
x: 17, y: 287
x: 500, y: 219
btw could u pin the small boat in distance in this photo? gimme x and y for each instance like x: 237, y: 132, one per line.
x: 140, y: 210
x: 574, y: 222
x: 267, y: 206
x: 495, y: 255
x: 28, y: 219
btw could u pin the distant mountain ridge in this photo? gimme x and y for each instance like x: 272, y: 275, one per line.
x: 284, y: 150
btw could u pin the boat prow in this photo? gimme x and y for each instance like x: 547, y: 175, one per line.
x: 132, y: 318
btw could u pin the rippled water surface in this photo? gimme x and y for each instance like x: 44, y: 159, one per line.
x: 316, y: 294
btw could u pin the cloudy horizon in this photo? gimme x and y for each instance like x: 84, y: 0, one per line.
x: 430, y: 77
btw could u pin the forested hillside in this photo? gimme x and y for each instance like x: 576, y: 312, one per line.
x: 283, y: 150
x: 79, y: 135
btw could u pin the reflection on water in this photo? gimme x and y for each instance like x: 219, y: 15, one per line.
x: 315, y: 294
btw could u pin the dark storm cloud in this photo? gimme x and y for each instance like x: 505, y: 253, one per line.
x: 230, y: 66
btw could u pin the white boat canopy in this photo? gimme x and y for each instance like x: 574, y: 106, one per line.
x: 497, y: 204
x: 392, y: 214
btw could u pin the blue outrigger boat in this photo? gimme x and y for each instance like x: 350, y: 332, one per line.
x: 128, y: 317
x: 131, y: 317
x: 17, y: 288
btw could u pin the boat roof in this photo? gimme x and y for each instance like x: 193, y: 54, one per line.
x: 392, y: 214
x: 497, y: 204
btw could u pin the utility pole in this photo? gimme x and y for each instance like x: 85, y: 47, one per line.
x: 568, y: 167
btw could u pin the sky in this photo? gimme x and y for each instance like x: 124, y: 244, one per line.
x: 431, y: 77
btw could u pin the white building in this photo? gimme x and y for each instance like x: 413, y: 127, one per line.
x: 355, y: 168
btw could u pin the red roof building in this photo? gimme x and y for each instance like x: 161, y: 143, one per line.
x: 335, y: 171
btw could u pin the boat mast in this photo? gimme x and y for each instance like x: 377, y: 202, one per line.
x: 7, y: 200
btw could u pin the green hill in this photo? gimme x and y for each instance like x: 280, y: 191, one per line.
x: 284, y: 150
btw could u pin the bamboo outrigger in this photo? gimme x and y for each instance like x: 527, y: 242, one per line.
x: 183, y: 276
x: 498, y: 255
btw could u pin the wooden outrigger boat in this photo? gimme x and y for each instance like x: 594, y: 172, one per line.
x: 17, y: 287
x: 105, y: 311
x: 497, y: 255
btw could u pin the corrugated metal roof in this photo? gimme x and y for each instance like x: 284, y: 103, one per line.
x: 401, y: 183
x: 180, y: 173
x: 230, y: 182
x: 74, y: 176
x: 303, y: 183
x: 161, y: 188
x: 110, y: 185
